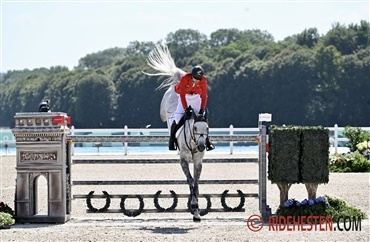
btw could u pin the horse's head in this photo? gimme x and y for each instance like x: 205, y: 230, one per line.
x: 200, y: 131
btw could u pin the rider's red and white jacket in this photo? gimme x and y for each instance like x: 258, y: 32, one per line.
x: 186, y: 86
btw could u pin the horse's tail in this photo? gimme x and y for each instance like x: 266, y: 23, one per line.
x: 161, y: 60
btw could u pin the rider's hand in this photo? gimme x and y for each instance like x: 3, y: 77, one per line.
x: 202, y: 112
x: 188, y: 112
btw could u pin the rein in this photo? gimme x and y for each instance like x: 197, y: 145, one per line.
x: 192, y: 133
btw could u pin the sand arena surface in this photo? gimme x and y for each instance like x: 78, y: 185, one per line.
x: 354, y: 188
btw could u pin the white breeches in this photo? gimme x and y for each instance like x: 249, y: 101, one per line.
x: 193, y: 100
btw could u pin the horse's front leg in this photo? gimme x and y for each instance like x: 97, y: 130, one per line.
x: 197, y: 171
x: 184, y: 161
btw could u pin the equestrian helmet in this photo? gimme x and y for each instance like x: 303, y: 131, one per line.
x: 197, y: 72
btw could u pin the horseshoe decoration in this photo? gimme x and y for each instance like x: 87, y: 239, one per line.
x: 161, y: 209
x: 100, y: 210
x: 132, y: 213
x: 227, y: 208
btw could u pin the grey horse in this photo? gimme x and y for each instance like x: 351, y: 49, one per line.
x: 191, y: 136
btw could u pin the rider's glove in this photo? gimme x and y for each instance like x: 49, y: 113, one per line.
x: 202, y: 112
x: 188, y: 112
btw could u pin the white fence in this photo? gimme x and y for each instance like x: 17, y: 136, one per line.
x: 337, y: 140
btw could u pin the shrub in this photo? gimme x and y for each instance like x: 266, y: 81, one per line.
x: 351, y: 162
x: 306, y: 207
x: 4, y: 208
x: 364, y: 148
x: 321, y: 206
x: 355, y: 136
x: 298, y: 154
x: 341, y: 209
x: 6, y: 219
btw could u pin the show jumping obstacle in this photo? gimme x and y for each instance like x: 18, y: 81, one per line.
x: 43, y: 148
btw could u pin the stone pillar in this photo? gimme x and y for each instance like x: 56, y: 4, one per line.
x: 42, y: 150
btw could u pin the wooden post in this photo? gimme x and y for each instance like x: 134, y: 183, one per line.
x: 311, y: 190
x: 284, y: 191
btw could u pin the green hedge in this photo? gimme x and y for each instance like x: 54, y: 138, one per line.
x: 315, y: 155
x: 298, y: 154
x: 284, y: 149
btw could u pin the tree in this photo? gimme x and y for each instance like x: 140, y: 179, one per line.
x: 137, y: 99
x: 287, y: 81
x: 136, y: 48
x: 185, y: 43
x: 354, y: 90
x: 342, y: 38
x: 309, y: 37
x: 95, y: 96
x: 23, y: 95
x: 362, y: 34
x: 224, y: 37
x: 102, y: 58
x: 329, y: 70
x: 304, y: 80
x: 61, y: 91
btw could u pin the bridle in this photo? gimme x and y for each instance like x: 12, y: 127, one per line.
x: 193, y: 134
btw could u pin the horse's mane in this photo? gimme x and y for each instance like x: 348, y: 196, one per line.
x: 160, y: 59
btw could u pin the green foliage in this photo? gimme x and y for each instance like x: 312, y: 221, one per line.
x: 355, y: 136
x: 224, y: 37
x: 185, y: 43
x: 6, y: 219
x: 298, y: 154
x: 292, y: 207
x: 284, y: 154
x: 363, y: 146
x: 4, y: 208
x: 101, y: 58
x: 339, y: 208
x: 347, y: 39
x: 321, y: 206
x: 136, y: 48
x: 309, y: 37
x: 354, y: 85
x: 351, y: 162
x: 315, y: 155
x: 95, y: 95
x: 307, y: 79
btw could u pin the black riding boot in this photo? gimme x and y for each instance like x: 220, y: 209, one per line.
x: 171, y: 142
x: 209, y: 145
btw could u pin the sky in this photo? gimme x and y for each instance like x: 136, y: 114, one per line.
x: 37, y: 34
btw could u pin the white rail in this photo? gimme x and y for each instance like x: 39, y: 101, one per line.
x: 336, y: 138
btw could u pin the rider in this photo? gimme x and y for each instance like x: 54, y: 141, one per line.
x: 44, y: 106
x: 192, y: 90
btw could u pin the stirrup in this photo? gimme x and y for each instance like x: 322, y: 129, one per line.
x: 209, y: 146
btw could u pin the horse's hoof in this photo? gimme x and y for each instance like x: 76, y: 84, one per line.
x: 196, y: 220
